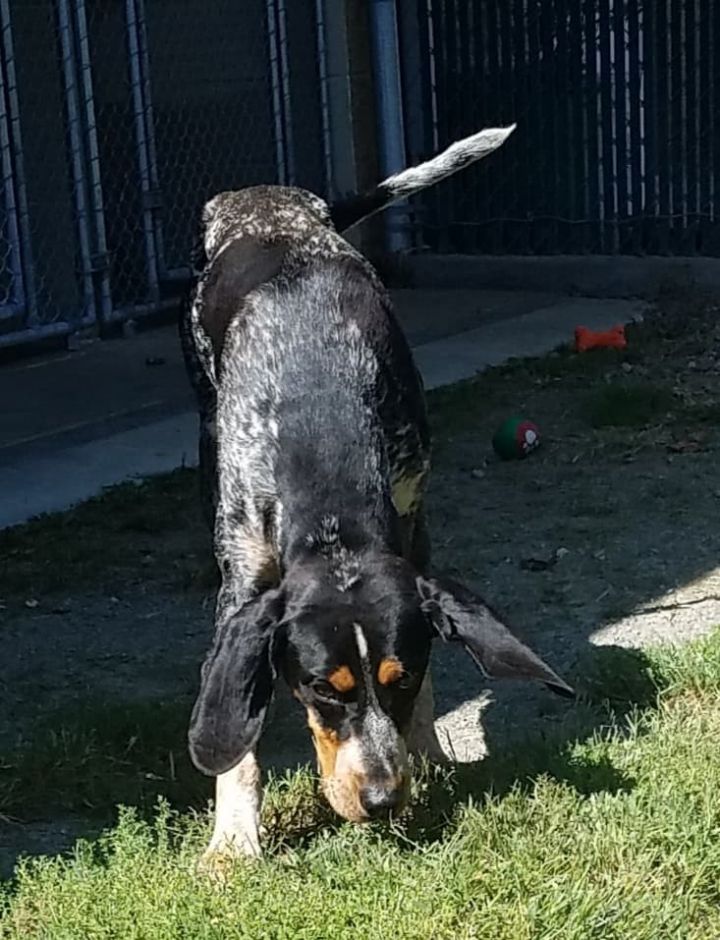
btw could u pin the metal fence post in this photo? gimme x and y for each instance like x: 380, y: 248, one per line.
x: 26, y: 268
x: 391, y: 135
x: 14, y: 300
x: 324, y: 97
x: 99, y: 259
x: 149, y: 194
x: 150, y: 139
x: 77, y: 157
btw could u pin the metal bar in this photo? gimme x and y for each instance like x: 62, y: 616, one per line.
x: 691, y: 93
x: 677, y: 116
x: 444, y: 195
x: 524, y: 144
x: 150, y: 128
x: 433, y: 225
x: 275, y: 80
x: 577, y: 116
x: 547, y: 105
x: 565, y: 95
x: 714, y: 158
x: 386, y: 61
x: 133, y: 311
x: 16, y: 289
x: 591, y: 130
x: 413, y: 61
x: 35, y: 334
x: 9, y: 310
x: 324, y: 100
x: 665, y: 194
x: 508, y: 167
x: 713, y: 29
x: 435, y: 135
x: 391, y: 134
x: 492, y: 235
x: 43, y: 331
x: 96, y: 190
x: 606, y: 121
x: 636, y: 136
x: 470, y: 79
x: 286, y: 90
x: 650, y: 51
x: 27, y: 265
x: 146, y: 187
x: 77, y: 156
x: 705, y: 142
x: 619, y: 110
x: 536, y: 204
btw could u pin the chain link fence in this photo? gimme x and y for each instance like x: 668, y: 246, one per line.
x: 118, y: 120
x: 617, y: 149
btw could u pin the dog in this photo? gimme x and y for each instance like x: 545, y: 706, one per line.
x: 314, y: 453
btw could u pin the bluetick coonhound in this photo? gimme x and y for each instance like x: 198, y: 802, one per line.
x: 314, y: 452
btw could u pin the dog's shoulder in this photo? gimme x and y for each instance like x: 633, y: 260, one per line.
x: 266, y: 213
x: 246, y: 264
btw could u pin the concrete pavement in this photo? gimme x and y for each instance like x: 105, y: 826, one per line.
x: 75, y: 423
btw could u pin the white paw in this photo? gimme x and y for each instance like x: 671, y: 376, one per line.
x: 221, y: 856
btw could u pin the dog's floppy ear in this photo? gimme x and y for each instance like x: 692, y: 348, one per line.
x: 236, y: 686
x: 459, y: 615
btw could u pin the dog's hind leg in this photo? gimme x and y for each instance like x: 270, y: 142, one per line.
x: 422, y: 739
x: 207, y: 463
x: 206, y: 396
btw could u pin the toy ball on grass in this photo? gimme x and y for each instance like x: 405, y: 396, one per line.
x: 515, y: 439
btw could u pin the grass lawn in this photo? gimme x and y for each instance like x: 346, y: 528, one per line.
x: 543, y: 858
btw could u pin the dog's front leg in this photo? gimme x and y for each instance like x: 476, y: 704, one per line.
x: 238, y: 801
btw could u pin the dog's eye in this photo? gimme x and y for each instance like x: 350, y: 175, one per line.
x: 325, y: 690
x: 406, y: 681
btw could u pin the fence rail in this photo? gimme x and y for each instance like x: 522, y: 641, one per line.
x: 618, y: 141
x: 118, y: 119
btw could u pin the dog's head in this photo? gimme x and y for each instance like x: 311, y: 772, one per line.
x: 355, y: 655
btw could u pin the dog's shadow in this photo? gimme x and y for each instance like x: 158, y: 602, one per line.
x: 615, y: 682
x: 618, y: 682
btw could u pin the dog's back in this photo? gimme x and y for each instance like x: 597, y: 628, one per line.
x: 315, y: 380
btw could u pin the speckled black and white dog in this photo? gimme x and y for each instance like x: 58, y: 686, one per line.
x: 314, y: 453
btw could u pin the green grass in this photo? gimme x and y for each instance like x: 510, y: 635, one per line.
x: 130, y: 533
x: 95, y: 755
x: 613, y: 833
x: 629, y: 406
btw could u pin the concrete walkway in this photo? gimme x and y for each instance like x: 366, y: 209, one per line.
x: 75, y: 423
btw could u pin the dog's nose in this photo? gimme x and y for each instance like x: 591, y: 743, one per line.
x: 379, y: 802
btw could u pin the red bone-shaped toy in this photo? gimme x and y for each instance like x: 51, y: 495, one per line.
x: 609, y: 339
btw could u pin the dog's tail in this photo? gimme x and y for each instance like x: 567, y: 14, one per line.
x: 348, y: 212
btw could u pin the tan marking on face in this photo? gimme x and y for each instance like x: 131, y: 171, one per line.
x: 343, y: 774
x: 341, y: 679
x: 389, y: 670
x: 326, y: 743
